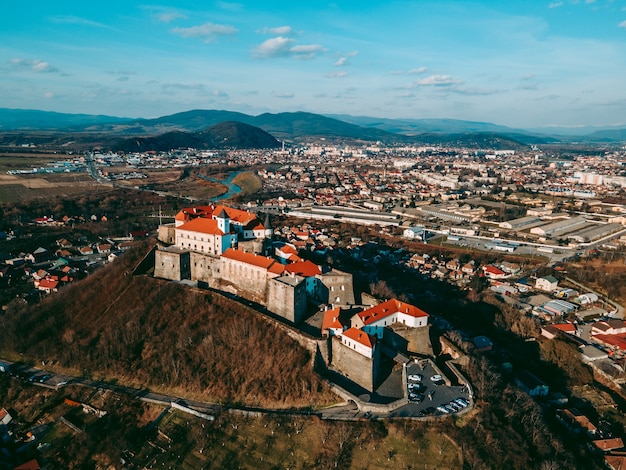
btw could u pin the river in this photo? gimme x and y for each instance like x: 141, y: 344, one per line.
x: 233, y: 189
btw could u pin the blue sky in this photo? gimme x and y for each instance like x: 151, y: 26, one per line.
x: 523, y: 64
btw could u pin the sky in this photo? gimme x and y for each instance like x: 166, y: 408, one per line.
x: 522, y: 64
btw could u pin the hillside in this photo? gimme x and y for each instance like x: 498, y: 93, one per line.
x: 226, y: 135
x: 150, y: 333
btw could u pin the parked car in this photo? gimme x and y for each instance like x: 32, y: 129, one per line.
x: 415, y: 378
x: 437, y: 379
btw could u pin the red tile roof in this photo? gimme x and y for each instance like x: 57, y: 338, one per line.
x: 255, y: 260
x: 304, y: 268
x: 380, y: 311
x: 360, y: 336
x: 565, y: 327
x: 202, y: 225
x: 613, y: 340
x: 609, y: 444
x: 331, y: 319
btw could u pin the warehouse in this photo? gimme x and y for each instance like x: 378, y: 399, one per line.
x: 594, y: 232
x: 557, y: 228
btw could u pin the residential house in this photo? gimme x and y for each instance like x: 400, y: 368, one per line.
x: 547, y: 283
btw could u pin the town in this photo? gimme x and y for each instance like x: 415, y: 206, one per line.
x: 502, y: 222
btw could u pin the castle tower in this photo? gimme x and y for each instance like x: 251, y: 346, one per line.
x: 223, y: 221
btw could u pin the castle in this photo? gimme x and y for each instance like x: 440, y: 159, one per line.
x: 233, y: 251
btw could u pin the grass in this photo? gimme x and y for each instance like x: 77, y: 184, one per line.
x: 234, y: 441
x: 249, y: 182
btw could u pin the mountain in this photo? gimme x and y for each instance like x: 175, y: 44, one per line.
x: 226, y: 135
x: 11, y: 119
x: 425, y: 126
x: 299, y: 127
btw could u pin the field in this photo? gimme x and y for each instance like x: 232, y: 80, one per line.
x: 233, y: 441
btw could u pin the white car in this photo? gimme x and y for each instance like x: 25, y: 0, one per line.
x: 437, y: 378
x: 415, y: 378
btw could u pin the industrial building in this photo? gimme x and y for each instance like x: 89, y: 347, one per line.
x: 555, y: 229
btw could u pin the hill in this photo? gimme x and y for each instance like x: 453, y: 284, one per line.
x: 226, y: 135
x: 150, y: 333
x: 47, y: 120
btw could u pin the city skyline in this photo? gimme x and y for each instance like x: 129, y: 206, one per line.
x: 558, y: 63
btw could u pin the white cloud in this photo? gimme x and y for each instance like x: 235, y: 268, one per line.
x: 208, y: 31
x: 438, y: 80
x: 622, y: 24
x: 338, y: 74
x: 283, y: 95
x: 274, y: 47
x: 555, y: 4
x: 37, y: 66
x: 344, y: 60
x: 417, y: 71
x: 169, y: 16
x: 48, y: 95
x: 279, y: 31
x: 283, y: 47
x: 307, y: 51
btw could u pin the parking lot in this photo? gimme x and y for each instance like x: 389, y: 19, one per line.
x: 433, y: 393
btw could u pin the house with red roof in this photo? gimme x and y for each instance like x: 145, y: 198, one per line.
x: 331, y: 325
x: 493, y: 272
x: 375, y: 319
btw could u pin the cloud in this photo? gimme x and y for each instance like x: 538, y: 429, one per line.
x: 274, y: 47
x: 207, y: 31
x: 344, y: 60
x: 283, y: 95
x: 48, y: 95
x: 555, y: 4
x: 37, y: 66
x: 417, y: 71
x: 219, y: 94
x: 338, y: 74
x: 622, y: 24
x: 307, y: 51
x: 278, y: 31
x: 438, y: 81
x: 169, y: 16
x: 76, y: 20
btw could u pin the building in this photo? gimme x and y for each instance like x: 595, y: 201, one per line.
x: 356, y: 355
x: 547, y: 283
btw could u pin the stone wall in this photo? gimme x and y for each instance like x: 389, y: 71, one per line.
x: 287, y: 298
x: 172, y: 263
x: 355, y: 366
x: 339, y: 289
x: 205, y: 268
x: 167, y: 234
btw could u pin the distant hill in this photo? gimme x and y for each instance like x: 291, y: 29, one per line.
x: 226, y: 135
x: 296, y: 127
x: 11, y: 119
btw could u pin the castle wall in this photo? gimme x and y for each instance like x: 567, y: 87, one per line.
x: 205, y: 268
x: 355, y: 366
x: 337, y: 288
x: 250, y: 281
x: 287, y: 298
x: 167, y: 234
x: 173, y: 264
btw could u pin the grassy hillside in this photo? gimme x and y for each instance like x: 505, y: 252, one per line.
x: 150, y: 333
